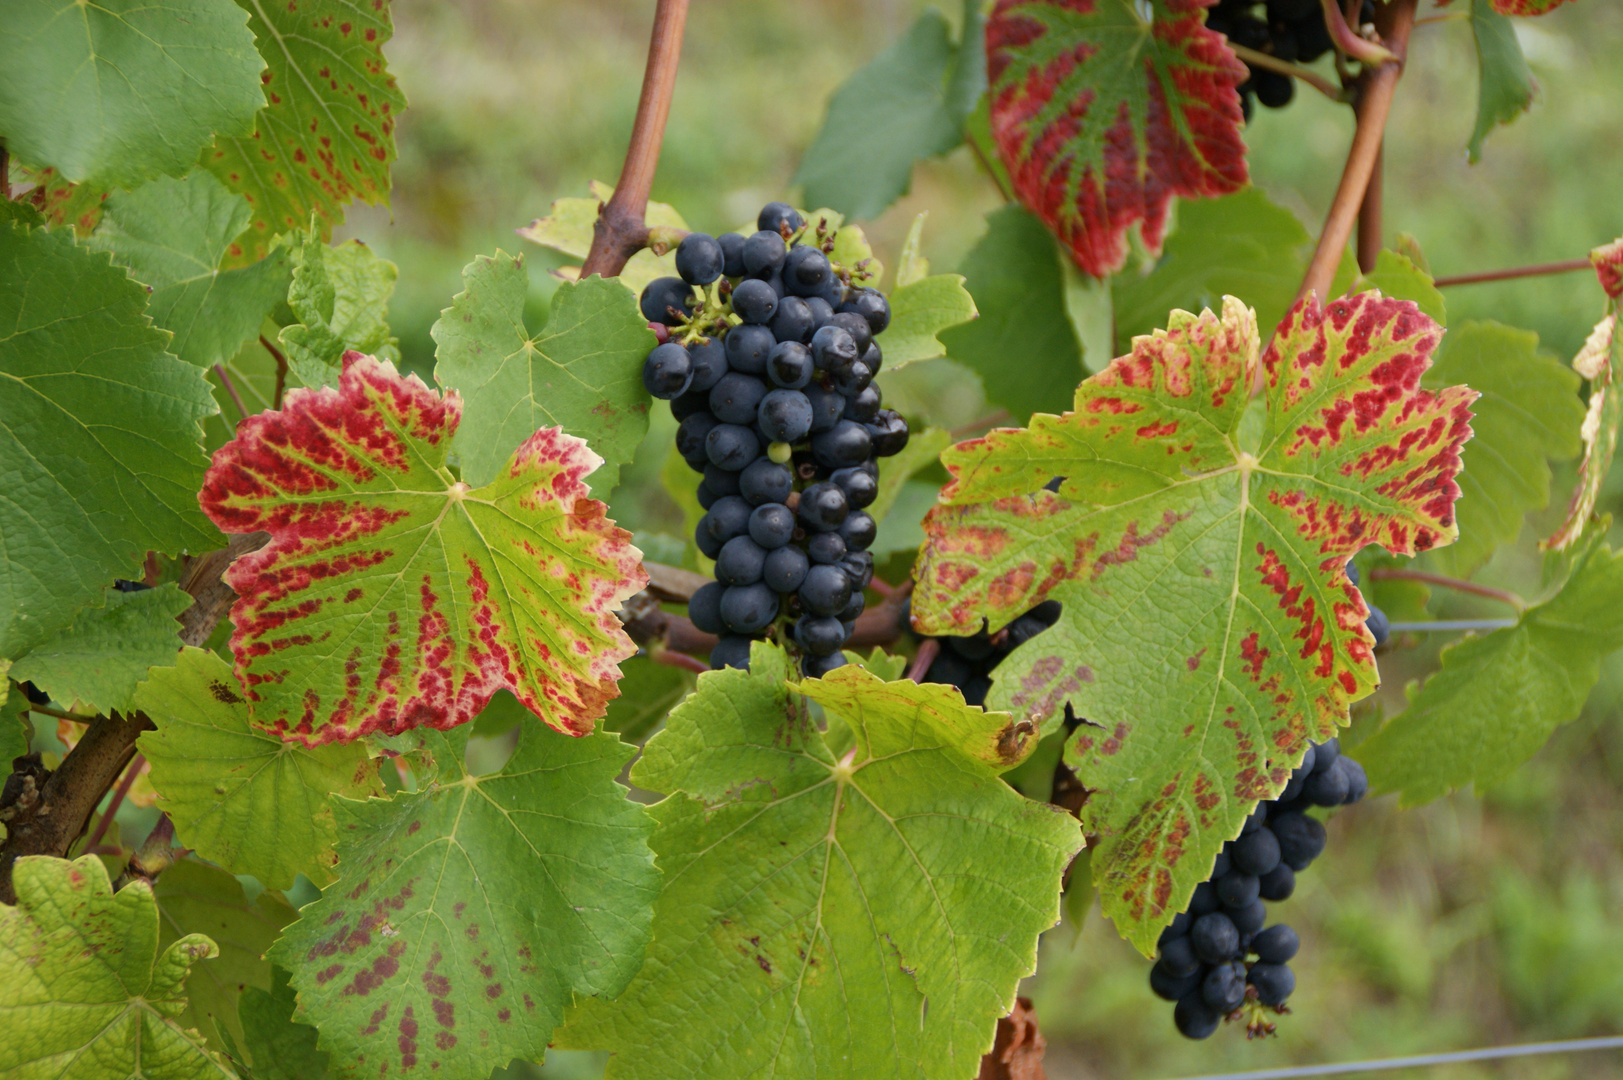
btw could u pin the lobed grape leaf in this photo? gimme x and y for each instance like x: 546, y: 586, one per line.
x: 1529, y: 413
x: 392, y: 595
x: 906, y: 104
x: 567, y: 229
x: 861, y: 908
x: 173, y: 235
x: 121, y: 91
x: 340, y: 295
x: 194, y: 897
x: 582, y: 373
x: 239, y: 796
x: 919, y: 312
x: 1104, y: 110
x: 99, y: 435
x: 1197, y: 542
x: 325, y: 136
x: 279, y: 1048
x: 1526, y: 7
x: 1600, y: 361
x: 469, y: 913
x: 93, y: 665
x: 85, y: 990
x: 1015, y: 275
x: 1495, y: 699
x: 1243, y: 244
x: 1505, y: 86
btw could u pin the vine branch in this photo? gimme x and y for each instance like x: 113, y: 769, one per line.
x: 1318, y: 82
x: 621, y: 229
x: 1441, y: 581
x: 1510, y: 274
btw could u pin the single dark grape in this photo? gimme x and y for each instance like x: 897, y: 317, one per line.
x: 819, y: 635
x: 748, y: 347
x: 1277, y: 884
x: 1327, y: 788
x: 853, y: 606
x: 789, y: 365
x: 732, y: 446
x: 729, y: 517
x: 1326, y: 754
x: 1213, y: 936
x: 815, y: 667
x: 690, y: 435
x: 825, y: 590
x: 785, y: 415
x: 731, y: 652
x: 823, y: 507
x: 833, y: 293
x: 825, y: 547
x: 1178, y: 927
x: 1309, y: 758
x: 950, y: 669
x: 694, y: 401
x: 1275, y: 945
x: 765, y: 481
x: 1301, y: 839
x: 772, y: 525
x: 748, y: 608
x: 705, y: 540
x: 732, y: 252
x: 1379, y: 625
x: 874, y: 358
x: 740, y: 562
x: 846, y: 443
x: 860, y: 487
x: 1357, y: 780
x: 1249, y: 918
x: 709, y: 359
x: 806, y: 271
x: 862, y: 406
x: 1224, y: 987
x: 755, y: 302
x: 855, y: 325
x: 1194, y: 1018
x: 737, y: 398
x: 1313, y: 39
x: 821, y: 312
x: 1255, y: 820
x: 704, y: 607
x: 828, y: 406
x: 776, y: 217
x: 1257, y: 852
x: 763, y: 254
x: 1023, y: 630
x: 858, y: 530
x: 888, y: 433
x: 976, y: 647
x: 858, y: 566
x: 785, y: 569
x: 1274, y: 89
x: 121, y: 585
x: 1281, y: 41
x: 1274, y: 982
x: 1204, y: 901
x: 792, y: 321
x: 833, y: 349
x: 853, y: 380
x: 872, y: 306
x: 1169, y: 986
x: 1178, y: 957
x: 699, y: 259
x: 1236, y: 888
x: 721, y: 481
x: 665, y: 300
x: 667, y: 371
x: 707, y: 495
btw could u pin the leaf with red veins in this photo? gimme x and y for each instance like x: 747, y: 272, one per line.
x: 392, y: 596
x: 1197, y: 542
x: 1102, y: 117
x: 1608, y: 262
x: 1526, y: 7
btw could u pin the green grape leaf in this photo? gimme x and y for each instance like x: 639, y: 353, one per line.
x: 1600, y: 361
x: 906, y: 104
x: 94, y: 664
x: 582, y: 373
x: 866, y: 916
x: 279, y: 1048
x: 1529, y: 412
x: 194, y: 897
x: 239, y: 796
x: 648, y: 692
x: 567, y: 229
x: 100, y: 433
x: 1015, y: 275
x: 13, y: 724
x: 326, y: 134
x: 173, y: 235
x: 1243, y: 244
x: 119, y: 92
x: 919, y: 312
x: 1197, y: 540
x: 393, y: 596
x: 470, y: 912
x: 21, y: 212
x: 1505, y: 87
x: 84, y: 988
x: 1495, y: 699
x: 1103, y: 112
x: 340, y: 295
x: 1526, y: 7
x: 1397, y: 276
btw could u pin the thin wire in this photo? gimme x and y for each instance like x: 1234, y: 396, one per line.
x: 1441, y: 625
x: 1489, y: 1053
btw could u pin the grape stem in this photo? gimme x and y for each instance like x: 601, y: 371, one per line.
x: 230, y: 388
x: 621, y: 229
x: 1295, y: 71
x: 929, y: 649
x: 60, y: 714
x: 672, y: 658
x: 1375, y: 89
x: 1393, y: 573
x: 281, y: 371
x: 1510, y: 274
x: 1348, y: 41
x: 131, y: 771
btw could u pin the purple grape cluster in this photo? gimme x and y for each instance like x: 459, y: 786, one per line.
x: 768, y: 359
x: 1218, y: 959
x: 968, y: 662
x: 1289, y: 30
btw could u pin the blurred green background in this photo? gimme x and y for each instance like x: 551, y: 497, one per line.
x: 1473, y: 921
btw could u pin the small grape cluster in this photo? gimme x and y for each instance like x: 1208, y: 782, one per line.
x: 768, y: 359
x: 1291, y: 30
x: 967, y: 662
x: 1217, y: 958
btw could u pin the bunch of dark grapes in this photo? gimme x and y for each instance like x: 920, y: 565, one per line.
x: 768, y: 364
x: 967, y: 662
x: 1291, y: 30
x: 1217, y: 958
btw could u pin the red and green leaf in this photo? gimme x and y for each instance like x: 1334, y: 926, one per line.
x: 393, y: 596
x: 1102, y: 117
x: 1526, y: 7
x: 1197, y: 542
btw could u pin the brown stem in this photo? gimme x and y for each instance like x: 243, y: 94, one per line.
x: 281, y: 371
x: 1514, y: 272
x: 1504, y: 596
x: 130, y: 773
x: 1348, y: 41
x: 929, y: 649
x: 230, y: 388
x: 1296, y: 71
x: 991, y: 420
x: 672, y: 658
x: 991, y: 170
x: 621, y: 229
x: 1375, y: 89
x: 60, y: 714
x: 1369, y: 216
